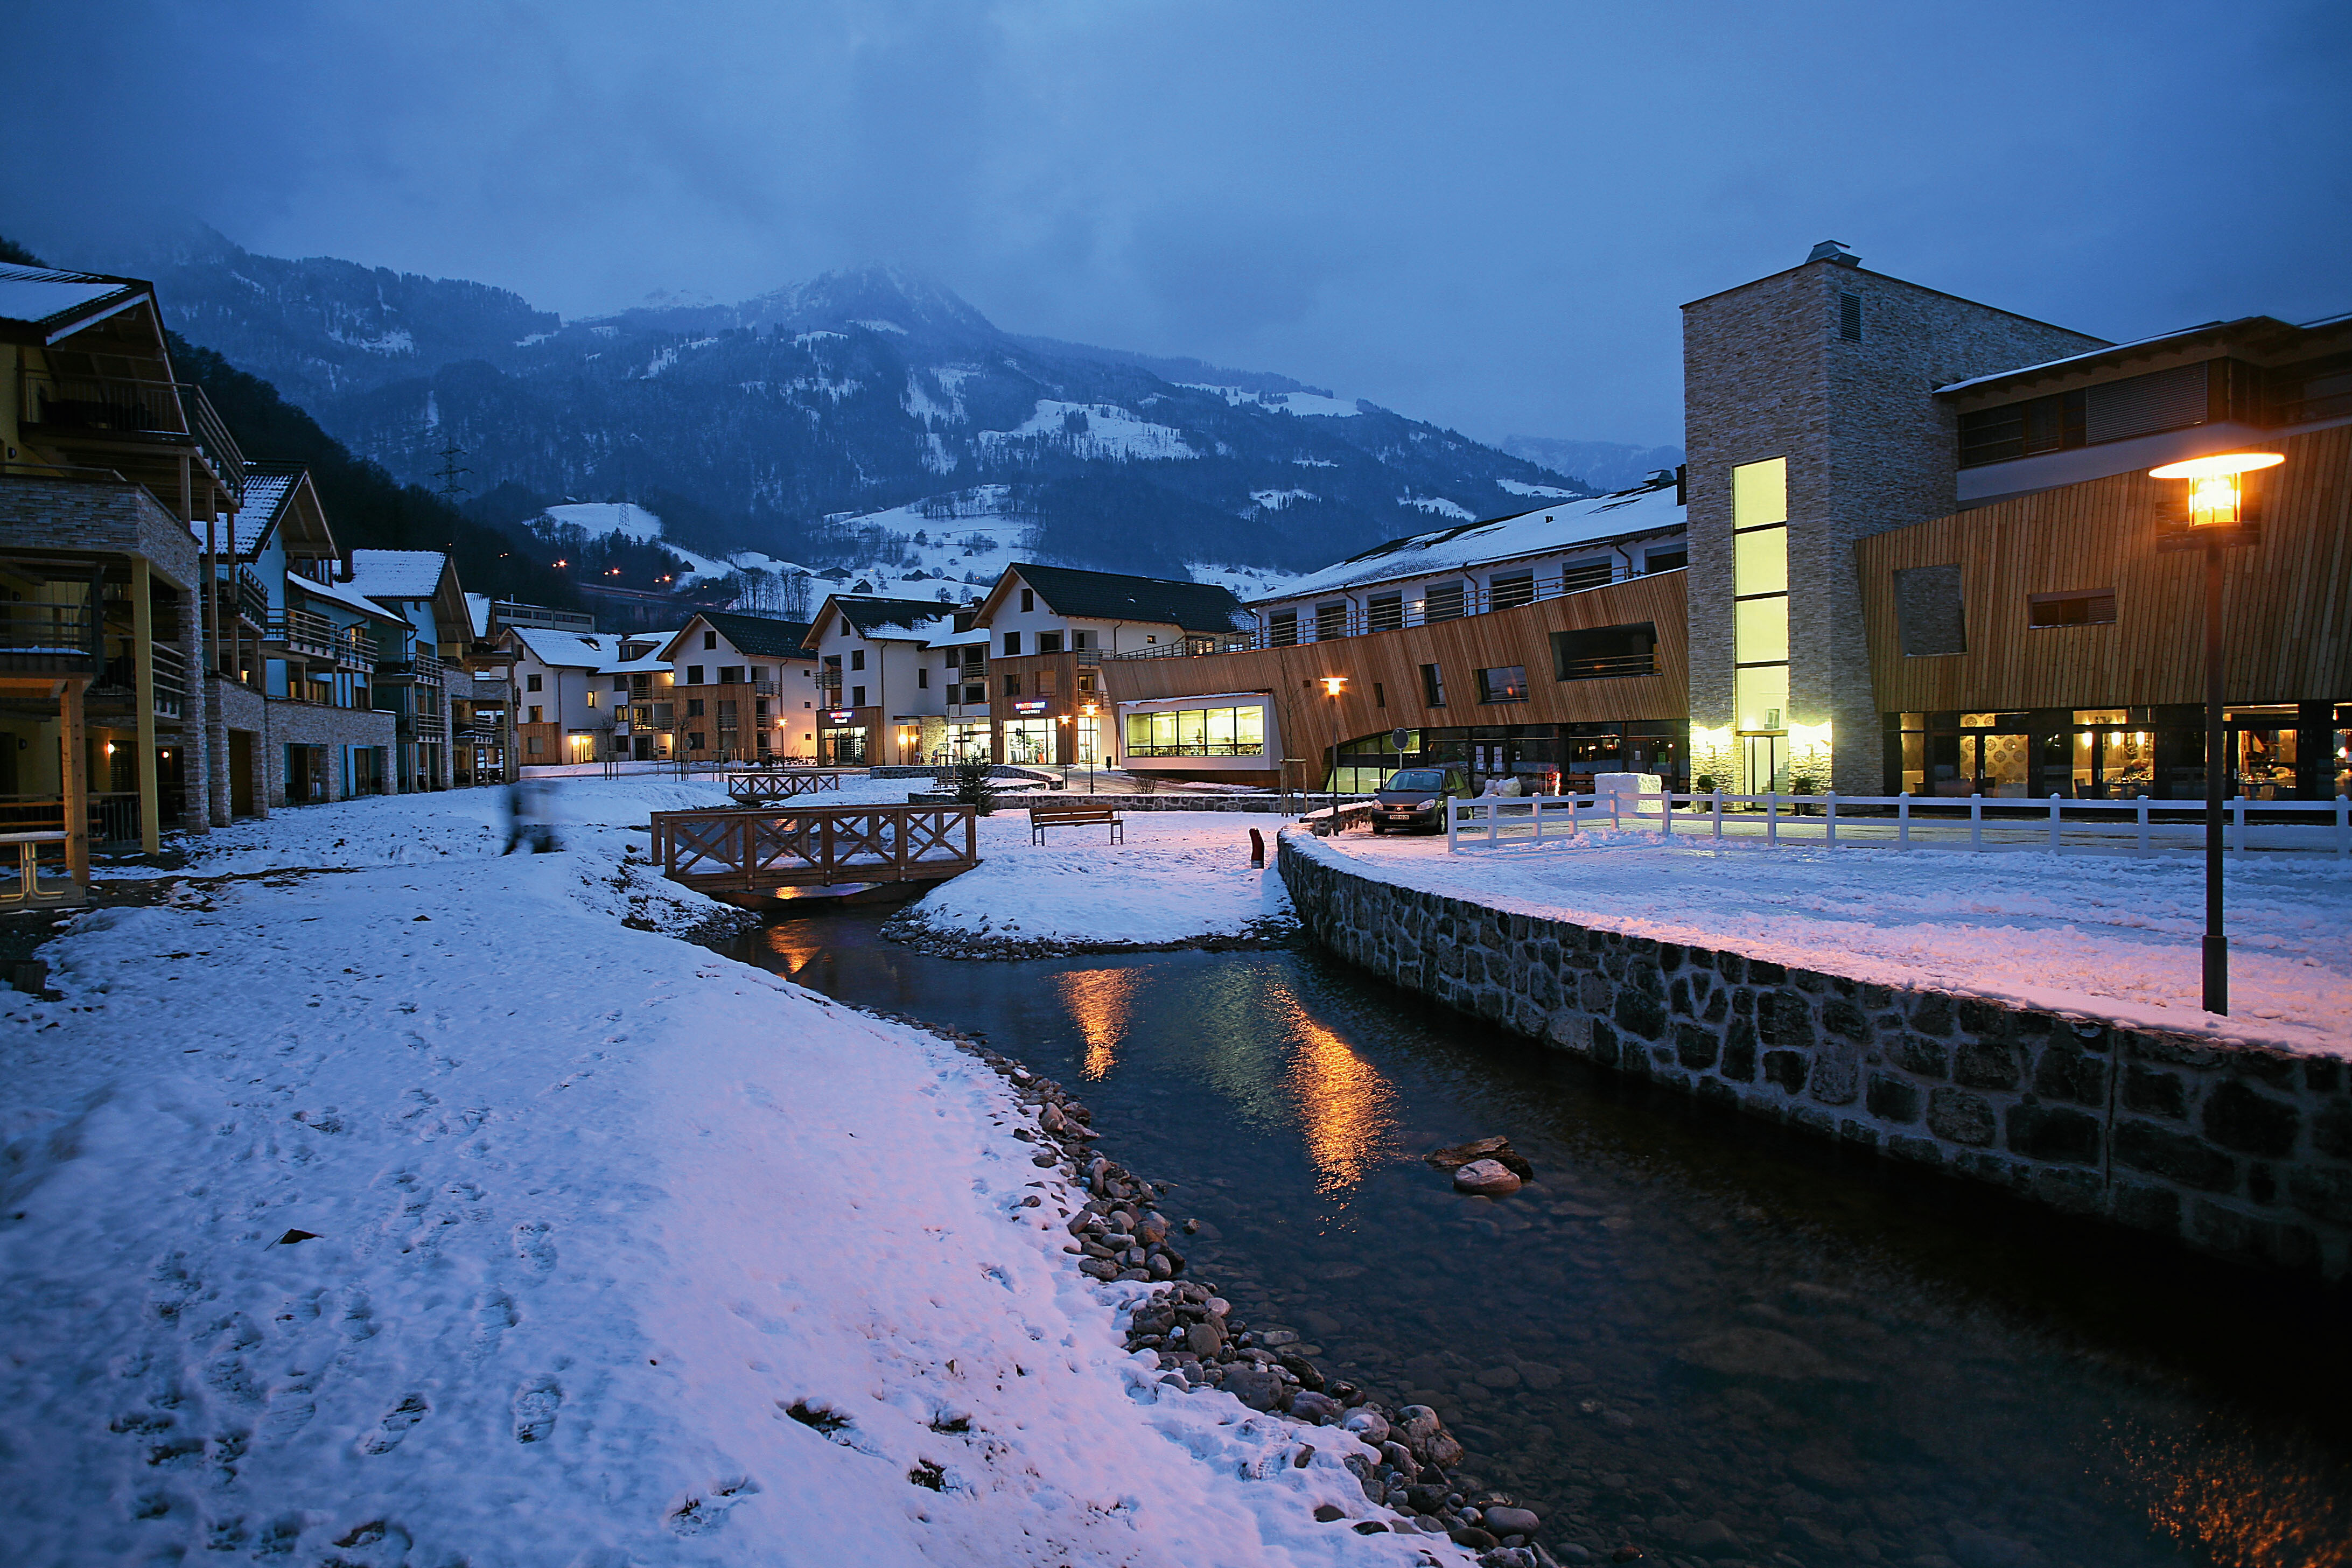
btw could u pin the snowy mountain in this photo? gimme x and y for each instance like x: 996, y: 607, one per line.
x: 808, y: 423
x: 1606, y: 465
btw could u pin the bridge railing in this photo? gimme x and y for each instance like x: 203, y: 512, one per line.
x: 765, y: 784
x: 752, y: 849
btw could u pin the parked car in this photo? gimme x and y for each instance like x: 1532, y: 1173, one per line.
x: 1410, y: 798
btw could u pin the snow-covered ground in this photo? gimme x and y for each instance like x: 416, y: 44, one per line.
x: 2114, y: 936
x: 1181, y: 876
x: 422, y: 1211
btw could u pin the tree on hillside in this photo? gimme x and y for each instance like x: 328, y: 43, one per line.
x: 365, y: 506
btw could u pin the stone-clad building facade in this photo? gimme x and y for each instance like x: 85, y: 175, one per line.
x: 1831, y: 369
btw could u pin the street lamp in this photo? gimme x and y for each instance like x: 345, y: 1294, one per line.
x: 1333, y: 685
x: 2217, y: 520
x: 1095, y: 747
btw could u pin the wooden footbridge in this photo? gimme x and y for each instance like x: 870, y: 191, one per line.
x: 762, y: 787
x: 757, y: 850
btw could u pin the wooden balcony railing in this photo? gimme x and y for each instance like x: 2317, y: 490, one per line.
x: 37, y: 639
x: 109, y: 405
x: 301, y: 634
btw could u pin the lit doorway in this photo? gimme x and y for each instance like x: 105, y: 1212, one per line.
x: 1765, y: 764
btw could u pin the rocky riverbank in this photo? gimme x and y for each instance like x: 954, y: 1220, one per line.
x: 925, y: 934
x: 1409, y: 1469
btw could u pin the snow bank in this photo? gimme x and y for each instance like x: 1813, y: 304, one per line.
x: 1180, y: 877
x: 423, y: 1212
x: 2113, y: 936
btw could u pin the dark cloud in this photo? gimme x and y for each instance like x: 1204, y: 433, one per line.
x: 1485, y: 216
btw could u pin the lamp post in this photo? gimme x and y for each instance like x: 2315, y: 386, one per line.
x: 2217, y: 521
x: 1333, y: 685
x: 1095, y: 749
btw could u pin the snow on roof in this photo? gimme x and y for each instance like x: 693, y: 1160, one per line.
x: 868, y: 614
x: 343, y: 594
x: 1565, y: 525
x: 574, y: 650
x: 978, y: 635
x: 43, y: 298
x: 478, y: 610
x: 266, y: 490
x: 647, y: 664
x: 1118, y: 596
x: 397, y: 574
x: 2090, y: 353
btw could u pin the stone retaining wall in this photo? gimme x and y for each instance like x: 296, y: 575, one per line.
x: 2240, y: 1151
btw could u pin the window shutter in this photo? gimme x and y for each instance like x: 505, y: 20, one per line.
x: 1850, y: 317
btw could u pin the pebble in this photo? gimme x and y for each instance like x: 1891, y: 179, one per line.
x: 1517, y: 1521
x: 1320, y: 1408
x: 1486, y: 1178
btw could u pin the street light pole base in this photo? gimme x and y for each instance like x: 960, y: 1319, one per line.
x: 2217, y: 975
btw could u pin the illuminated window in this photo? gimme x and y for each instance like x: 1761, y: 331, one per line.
x: 1760, y: 588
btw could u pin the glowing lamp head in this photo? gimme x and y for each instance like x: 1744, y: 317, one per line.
x: 1334, y: 684
x: 2216, y: 491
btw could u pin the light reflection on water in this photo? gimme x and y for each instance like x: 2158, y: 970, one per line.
x: 1768, y: 1326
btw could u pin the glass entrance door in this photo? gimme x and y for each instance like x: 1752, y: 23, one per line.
x: 1765, y: 764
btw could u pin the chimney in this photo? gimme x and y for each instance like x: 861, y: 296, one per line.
x: 1834, y: 250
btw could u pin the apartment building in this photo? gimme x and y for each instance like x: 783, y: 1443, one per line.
x: 1915, y: 547
x: 881, y: 687
x: 740, y: 688
x: 422, y: 685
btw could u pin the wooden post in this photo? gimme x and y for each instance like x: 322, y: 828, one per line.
x: 2053, y: 822
x: 1976, y: 822
x: 1828, y: 821
x: 73, y: 780
x: 1902, y: 821
x: 143, y: 644
x: 1718, y: 811
x: 2143, y: 823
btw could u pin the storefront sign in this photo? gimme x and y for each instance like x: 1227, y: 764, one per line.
x: 1030, y: 705
x: 842, y: 716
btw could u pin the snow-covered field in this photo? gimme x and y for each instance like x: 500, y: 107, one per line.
x: 2113, y: 936
x: 424, y: 1212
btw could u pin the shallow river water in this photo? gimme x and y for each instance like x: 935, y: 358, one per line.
x: 1690, y: 1333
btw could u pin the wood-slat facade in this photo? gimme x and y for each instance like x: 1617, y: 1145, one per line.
x: 2287, y: 606
x: 1382, y: 671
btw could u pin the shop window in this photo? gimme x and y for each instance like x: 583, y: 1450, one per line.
x: 2096, y: 609
x: 1929, y: 618
x: 1432, y: 685
x: 1049, y: 642
x: 1229, y: 732
x: 1505, y: 683
x: 1601, y: 652
x: 1386, y: 612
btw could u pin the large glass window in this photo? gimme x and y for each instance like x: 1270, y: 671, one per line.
x: 1231, y: 731
x: 1506, y: 684
x: 1759, y: 587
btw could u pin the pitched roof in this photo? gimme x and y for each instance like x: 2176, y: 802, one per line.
x: 758, y: 635
x: 268, y: 489
x: 42, y: 304
x: 572, y: 650
x: 343, y: 594
x: 1562, y: 525
x: 398, y: 573
x: 1114, y: 597
x: 868, y: 614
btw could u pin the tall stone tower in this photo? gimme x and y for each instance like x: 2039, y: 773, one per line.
x: 1811, y: 421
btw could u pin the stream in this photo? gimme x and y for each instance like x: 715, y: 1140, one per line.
x: 1691, y: 1333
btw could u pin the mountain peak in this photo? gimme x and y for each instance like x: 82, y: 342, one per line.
x: 876, y: 297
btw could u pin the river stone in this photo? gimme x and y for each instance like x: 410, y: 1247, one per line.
x: 1500, y: 1377
x: 1258, y: 1390
x: 1486, y: 1178
x: 1103, y: 1268
x: 1419, y: 1423
x: 1320, y: 1408
x: 1711, y: 1537
x: 1499, y: 1150
x: 1369, y: 1424
x: 1512, y: 1522
x: 1050, y: 1120
x: 1764, y: 1353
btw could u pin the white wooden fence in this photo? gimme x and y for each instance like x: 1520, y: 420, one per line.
x: 1888, y: 820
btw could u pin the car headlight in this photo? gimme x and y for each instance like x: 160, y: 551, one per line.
x: 1426, y: 806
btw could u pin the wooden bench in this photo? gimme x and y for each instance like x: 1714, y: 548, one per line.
x: 1041, y: 817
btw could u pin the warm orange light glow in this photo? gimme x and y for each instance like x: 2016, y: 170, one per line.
x: 1344, y: 1103
x: 1334, y: 684
x: 2219, y: 465
x: 1100, y: 1000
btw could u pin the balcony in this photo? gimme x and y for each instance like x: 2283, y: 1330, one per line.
x: 300, y: 634
x: 170, y: 679
x: 241, y: 596
x: 426, y: 668
x: 46, y: 639
x: 110, y: 410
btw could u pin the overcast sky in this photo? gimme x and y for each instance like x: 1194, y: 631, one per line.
x: 1482, y: 215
